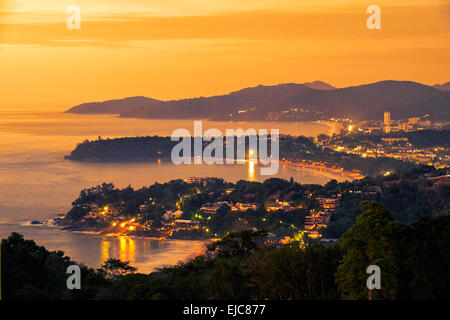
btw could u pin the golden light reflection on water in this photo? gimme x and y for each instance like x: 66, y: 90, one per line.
x: 122, y: 247
x: 131, y: 250
x: 251, y: 170
x: 105, y: 250
x: 127, y: 249
x: 145, y: 253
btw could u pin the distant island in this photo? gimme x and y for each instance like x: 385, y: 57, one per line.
x: 290, y: 102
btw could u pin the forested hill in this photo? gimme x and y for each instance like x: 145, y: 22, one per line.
x: 291, y: 148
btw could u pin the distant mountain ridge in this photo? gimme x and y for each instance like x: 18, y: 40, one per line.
x: 444, y: 86
x: 112, y: 106
x: 289, y: 102
x: 320, y: 85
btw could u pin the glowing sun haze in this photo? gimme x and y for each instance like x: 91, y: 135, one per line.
x: 170, y: 49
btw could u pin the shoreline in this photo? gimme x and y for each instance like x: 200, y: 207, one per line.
x: 97, y: 231
x: 352, y: 174
x: 102, y: 232
x: 335, y: 127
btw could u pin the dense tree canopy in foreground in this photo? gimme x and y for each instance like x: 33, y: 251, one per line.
x: 414, y: 262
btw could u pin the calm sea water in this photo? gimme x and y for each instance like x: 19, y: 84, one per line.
x: 36, y: 183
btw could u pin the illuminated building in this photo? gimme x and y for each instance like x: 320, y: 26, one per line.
x: 212, y: 207
x: 243, y: 206
x: 279, y: 205
x: 329, y: 204
x: 387, y: 122
x: 172, y: 215
x: 193, y: 180
x: 180, y: 222
x: 387, y: 118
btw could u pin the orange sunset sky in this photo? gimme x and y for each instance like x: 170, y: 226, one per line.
x: 170, y: 49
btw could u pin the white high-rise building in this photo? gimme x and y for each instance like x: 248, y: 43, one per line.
x: 387, y: 122
x: 387, y: 118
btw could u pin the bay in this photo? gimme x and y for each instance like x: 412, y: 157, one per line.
x: 36, y: 183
